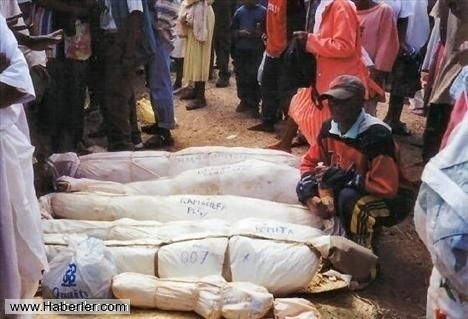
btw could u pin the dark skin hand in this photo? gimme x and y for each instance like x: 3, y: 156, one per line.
x: 41, y: 42
x: 8, y: 94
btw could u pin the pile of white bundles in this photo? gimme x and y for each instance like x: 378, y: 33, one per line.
x: 275, y: 255
x: 126, y: 167
x: 226, y: 219
x: 279, y: 256
x: 441, y: 219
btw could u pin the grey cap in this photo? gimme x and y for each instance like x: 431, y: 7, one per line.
x: 344, y: 87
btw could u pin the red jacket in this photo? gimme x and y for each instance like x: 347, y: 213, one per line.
x: 283, y: 18
x: 337, y: 46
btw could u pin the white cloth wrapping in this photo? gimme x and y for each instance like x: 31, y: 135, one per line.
x: 441, y: 220
x: 22, y: 254
x: 126, y: 167
x: 109, y: 207
x: 251, y: 178
x: 210, y: 297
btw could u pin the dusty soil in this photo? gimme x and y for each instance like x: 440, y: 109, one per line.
x: 400, y: 290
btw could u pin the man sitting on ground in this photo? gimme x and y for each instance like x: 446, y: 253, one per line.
x: 352, y: 172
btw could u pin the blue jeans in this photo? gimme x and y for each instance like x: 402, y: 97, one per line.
x: 160, y: 85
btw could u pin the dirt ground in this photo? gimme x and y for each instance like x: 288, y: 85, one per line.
x: 400, y: 290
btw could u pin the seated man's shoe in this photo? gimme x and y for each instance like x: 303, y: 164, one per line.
x: 196, y: 104
x: 222, y: 82
x: 263, y: 127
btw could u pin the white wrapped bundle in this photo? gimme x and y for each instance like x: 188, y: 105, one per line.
x: 134, y: 255
x: 129, y: 229
x: 210, y: 297
x: 294, y: 308
x: 251, y: 178
x: 245, y: 300
x: 193, y: 258
x: 107, y: 207
x: 126, y: 167
x: 98, y: 229
x: 280, y: 267
x: 273, y: 229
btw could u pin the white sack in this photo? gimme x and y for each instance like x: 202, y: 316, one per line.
x: 193, y: 258
x: 107, y: 207
x: 126, y: 167
x: 83, y: 270
x: 245, y: 300
x: 251, y: 178
x: 295, y: 308
x: 280, y: 267
x: 210, y: 297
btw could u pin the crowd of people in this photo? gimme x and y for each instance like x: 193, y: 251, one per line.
x: 321, y: 65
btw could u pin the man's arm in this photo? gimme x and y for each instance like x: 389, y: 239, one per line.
x: 15, y: 81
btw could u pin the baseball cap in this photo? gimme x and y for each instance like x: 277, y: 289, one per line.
x: 344, y: 87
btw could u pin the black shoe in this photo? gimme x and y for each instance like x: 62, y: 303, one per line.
x: 158, y: 141
x: 190, y: 94
x: 242, y: 107
x: 263, y: 127
x: 222, y: 82
x: 151, y: 129
x: 196, y: 104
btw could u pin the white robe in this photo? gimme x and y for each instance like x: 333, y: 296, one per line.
x: 22, y: 254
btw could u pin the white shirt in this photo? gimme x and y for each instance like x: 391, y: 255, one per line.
x: 419, y: 30
x: 107, y: 20
x: 15, y: 75
x: 401, y: 8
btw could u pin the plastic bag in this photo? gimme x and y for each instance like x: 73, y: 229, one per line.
x: 83, y: 270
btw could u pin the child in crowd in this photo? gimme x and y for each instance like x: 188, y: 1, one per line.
x: 380, y: 39
x: 248, y: 26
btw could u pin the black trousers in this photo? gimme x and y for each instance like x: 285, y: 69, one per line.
x: 437, y: 120
x: 222, y: 36
x: 277, y: 91
x: 118, y: 100
x: 246, y: 63
x: 64, y: 101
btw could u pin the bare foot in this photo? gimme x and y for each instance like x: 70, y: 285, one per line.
x: 280, y: 147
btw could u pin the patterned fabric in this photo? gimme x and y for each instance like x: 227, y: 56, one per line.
x: 366, y: 213
x: 43, y: 23
x: 167, y: 13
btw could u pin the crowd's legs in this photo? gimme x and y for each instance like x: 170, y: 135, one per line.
x: 117, y: 92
